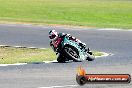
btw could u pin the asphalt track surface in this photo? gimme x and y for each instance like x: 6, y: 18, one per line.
x: 56, y: 75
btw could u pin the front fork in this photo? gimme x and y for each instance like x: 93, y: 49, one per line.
x: 88, y: 51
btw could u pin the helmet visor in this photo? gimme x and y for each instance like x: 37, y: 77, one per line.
x: 52, y: 36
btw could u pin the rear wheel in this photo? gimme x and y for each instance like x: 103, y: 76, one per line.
x: 71, y: 53
x: 60, y: 58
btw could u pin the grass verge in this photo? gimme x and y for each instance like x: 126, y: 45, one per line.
x: 93, y: 13
x: 9, y: 55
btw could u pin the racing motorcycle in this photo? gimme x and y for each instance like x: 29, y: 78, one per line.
x: 67, y: 50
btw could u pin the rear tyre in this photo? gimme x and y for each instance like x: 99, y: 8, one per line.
x: 71, y: 53
x: 61, y: 58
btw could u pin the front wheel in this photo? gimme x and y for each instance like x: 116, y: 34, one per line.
x: 71, y: 53
x: 90, y: 57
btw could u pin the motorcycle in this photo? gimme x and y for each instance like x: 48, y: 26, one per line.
x: 67, y: 50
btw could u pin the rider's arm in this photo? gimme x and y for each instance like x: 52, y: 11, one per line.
x: 68, y: 35
x: 61, y: 35
x: 52, y: 45
x: 71, y: 37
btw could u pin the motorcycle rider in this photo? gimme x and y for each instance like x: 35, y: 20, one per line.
x: 53, y: 35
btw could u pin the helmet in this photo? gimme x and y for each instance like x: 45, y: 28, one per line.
x: 53, y: 34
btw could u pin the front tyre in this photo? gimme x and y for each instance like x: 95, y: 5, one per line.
x: 71, y: 53
x: 90, y: 57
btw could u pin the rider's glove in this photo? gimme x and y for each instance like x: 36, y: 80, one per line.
x: 83, y: 45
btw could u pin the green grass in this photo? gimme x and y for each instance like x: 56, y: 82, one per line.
x: 97, y: 53
x: 95, y: 13
x: 9, y: 55
x: 21, y: 55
